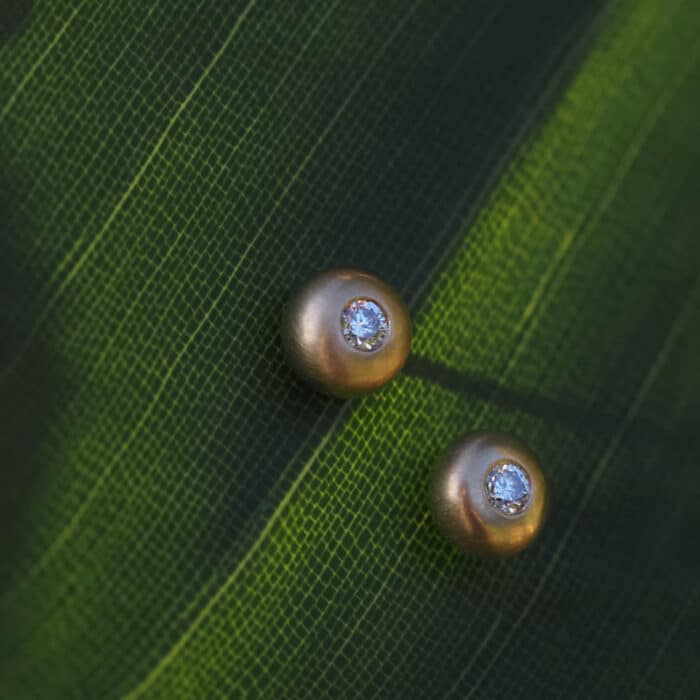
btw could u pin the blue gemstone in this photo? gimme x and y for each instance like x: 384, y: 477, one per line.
x: 508, y: 488
x: 364, y: 325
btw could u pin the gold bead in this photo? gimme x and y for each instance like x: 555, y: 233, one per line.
x: 488, y: 495
x: 346, y: 332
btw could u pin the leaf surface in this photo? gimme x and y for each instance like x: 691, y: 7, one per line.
x: 181, y: 518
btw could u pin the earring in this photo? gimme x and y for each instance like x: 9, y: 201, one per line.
x: 488, y: 495
x: 346, y: 332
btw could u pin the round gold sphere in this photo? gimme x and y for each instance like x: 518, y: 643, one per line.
x: 346, y: 332
x: 488, y: 495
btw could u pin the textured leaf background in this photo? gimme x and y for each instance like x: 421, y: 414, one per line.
x: 179, y: 516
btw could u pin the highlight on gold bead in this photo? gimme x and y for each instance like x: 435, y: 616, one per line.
x: 488, y: 495
x: 346, y: 332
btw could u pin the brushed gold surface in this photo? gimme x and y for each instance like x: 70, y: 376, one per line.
x: 313, y: 339
x: 460, y: 504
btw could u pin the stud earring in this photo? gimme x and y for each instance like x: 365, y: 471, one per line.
x: 346, y: 332
x: 488, y: 495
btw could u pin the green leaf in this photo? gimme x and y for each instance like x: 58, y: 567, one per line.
x: 179, y: 516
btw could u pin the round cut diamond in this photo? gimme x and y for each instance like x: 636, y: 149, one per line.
x: 364, y: 324
x: 508, y: 488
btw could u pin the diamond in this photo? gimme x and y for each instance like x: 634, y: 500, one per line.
x: 364, y: 325
x: 508, y: 488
